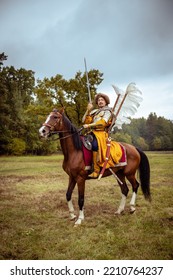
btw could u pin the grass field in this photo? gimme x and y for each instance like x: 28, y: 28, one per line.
x: 34, y: 219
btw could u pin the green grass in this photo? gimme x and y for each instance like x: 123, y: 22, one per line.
x: 34, y: 219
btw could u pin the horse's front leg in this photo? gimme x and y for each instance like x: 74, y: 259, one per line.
x: 69, y: 192
x: 81, y: 191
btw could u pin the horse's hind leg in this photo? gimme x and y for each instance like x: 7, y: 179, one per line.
x: 69, y: 192
x: 124, y: 193
x: 135, y: 186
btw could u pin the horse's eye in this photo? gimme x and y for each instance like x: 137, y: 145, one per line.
x: 55, y: 117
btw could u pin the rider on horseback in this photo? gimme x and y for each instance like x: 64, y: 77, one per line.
x: 99, y: 120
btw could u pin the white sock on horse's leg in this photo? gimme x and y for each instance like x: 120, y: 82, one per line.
x: 71, y: 210
x: 122, y: 205
x: 80, y: 218
x: 132, y: 202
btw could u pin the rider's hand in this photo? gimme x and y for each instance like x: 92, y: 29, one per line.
x: 89, y: 107
x: 85, y: 126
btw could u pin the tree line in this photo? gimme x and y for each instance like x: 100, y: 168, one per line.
x: 25, y: 102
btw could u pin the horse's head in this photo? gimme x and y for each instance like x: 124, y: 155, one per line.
x: 52, y: 123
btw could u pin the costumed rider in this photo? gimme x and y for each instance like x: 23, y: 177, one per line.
x: 98, y: 121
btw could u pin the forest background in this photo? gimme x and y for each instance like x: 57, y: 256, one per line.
x: 25, y: 104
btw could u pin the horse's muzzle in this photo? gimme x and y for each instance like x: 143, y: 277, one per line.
x: 44, y: 131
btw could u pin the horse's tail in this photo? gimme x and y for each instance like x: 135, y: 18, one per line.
x: 144, y: 174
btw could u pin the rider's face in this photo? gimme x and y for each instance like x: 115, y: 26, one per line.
x: 101, y: 102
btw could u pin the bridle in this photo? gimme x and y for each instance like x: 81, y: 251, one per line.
x: 52, y: 126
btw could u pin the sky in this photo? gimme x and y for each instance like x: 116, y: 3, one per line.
x: 126, y: 40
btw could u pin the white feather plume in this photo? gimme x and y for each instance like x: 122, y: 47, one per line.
x: 133, y: 98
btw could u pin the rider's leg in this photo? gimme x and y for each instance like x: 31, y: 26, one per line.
x: 96, y: 171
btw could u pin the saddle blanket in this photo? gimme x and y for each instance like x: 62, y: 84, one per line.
x: 123, y: 160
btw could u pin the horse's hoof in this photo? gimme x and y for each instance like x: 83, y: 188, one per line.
x: 76, y: 225
x: 78, y: 222
x: 119, y: 212
x: 132, y: 210
x: 72, y: 218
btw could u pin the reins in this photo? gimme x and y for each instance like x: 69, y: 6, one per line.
x: 64, y: 131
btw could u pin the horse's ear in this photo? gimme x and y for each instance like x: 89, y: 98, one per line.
x: 62, y: 110
x: 55, y: 110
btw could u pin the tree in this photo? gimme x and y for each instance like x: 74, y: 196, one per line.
x: 77, y: 94
x: 153, y: 133
x: 71, y: 94
x: 166, y: 143
x: 120, y: 136
x: 141, y: 143
x: 157, y: 143
x: 16, y: 90
x: 159, y: 133
x: 2, y: 58
x: 151, y: 126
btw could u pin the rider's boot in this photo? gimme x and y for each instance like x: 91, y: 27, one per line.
x: 96, y: 171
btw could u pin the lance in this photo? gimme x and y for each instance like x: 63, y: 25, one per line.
x: 88, y: 85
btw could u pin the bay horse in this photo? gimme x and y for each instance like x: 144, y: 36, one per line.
x: 74, y: 166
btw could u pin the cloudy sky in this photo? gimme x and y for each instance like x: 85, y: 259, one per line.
x: 127, y: 40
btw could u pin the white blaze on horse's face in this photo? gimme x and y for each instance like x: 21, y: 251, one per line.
x: 44, y: 130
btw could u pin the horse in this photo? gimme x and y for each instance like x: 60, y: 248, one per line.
x: 74, y: 165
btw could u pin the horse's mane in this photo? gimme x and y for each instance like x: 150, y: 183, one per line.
x: 75, y: 135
